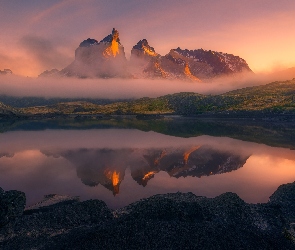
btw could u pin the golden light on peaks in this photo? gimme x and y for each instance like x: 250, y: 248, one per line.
x: 148, y: 175
x: 158, y: 68
x: 115, y: 181
x: 187, y: 70
x: 113, y: 49
x: 188, y: 73
x: 187, y: 153
x: 148, y: 51
x: 114, y: 177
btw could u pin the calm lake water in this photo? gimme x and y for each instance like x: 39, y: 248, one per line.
x: 120, y: 166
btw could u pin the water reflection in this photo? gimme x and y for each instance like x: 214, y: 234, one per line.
x: 107, y: 167
x: 131, y: 165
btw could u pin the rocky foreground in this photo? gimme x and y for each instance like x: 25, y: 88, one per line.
x: 170, y: 221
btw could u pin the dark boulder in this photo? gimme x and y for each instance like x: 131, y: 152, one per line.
x: 12, y: 204
x: 284, y: 197
x: 166, y: 221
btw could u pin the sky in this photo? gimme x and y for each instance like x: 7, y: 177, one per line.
x: 40, y: 35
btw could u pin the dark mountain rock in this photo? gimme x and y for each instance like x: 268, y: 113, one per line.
x: 112, y: 37
x: 180, y: 65
x: 144, y: 61
x: 143, y: 50
x: 155, y: 70
x: 12, y: 204
x: 147, y: 63
x: 88, y: 42
x: 221, y: 63
x: 185, y: 64
x: 166, y: 221
x: 284, y: 196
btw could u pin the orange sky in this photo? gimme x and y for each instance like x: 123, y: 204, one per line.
x: 36, y: 36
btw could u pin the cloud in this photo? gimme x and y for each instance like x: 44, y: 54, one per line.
x: 47, y: 12
x: 47, y: 53
x: 117, y: 88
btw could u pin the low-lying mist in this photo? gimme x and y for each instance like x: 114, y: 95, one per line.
x: 117, y: 88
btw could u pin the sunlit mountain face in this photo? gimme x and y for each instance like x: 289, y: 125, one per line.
x: 121, y: 166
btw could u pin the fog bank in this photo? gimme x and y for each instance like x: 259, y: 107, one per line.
x: 130, y: 88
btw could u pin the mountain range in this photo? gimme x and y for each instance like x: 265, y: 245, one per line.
x: 106, y: 59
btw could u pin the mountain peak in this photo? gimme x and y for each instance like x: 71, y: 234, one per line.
x: 88, y: 42
x: 102, y: 59
x: 144, y: 47
x: 221, y: 63
x: 114, y: 36
x: 114, y: 42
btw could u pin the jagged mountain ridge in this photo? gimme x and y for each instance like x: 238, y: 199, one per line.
x: 221, y: 63
x: 106, y: 59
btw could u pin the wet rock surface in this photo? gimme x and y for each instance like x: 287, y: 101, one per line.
x: 169, y: 221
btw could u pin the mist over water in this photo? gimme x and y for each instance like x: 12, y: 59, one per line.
x: 118, y: 88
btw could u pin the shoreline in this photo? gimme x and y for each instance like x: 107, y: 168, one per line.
x: 168, y: 221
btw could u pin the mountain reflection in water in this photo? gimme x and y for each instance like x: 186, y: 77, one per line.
x: 107, y: 166
x: 133, y: 165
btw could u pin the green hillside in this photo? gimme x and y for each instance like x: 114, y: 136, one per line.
x: 276, y: 95
x: 273, y: 97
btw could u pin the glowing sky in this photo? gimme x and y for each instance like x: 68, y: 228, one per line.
x: 39, y: 35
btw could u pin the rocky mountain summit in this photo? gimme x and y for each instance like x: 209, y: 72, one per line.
x: 165, y: 221
x: 219, y: 63
x: 106, y: 59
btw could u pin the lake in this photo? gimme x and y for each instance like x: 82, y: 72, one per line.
x: 120, y: 166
